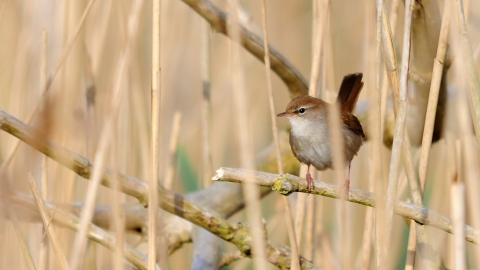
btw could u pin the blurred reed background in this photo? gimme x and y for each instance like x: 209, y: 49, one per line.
x: 80, y: 100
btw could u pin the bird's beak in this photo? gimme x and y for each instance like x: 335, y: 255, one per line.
x: 283, y: 114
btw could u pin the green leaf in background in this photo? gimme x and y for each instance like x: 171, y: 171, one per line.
x: 187, y: 174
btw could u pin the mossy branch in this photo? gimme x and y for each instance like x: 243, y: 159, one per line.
x: 287, y: 184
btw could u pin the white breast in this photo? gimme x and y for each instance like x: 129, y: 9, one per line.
x: 312, y: 142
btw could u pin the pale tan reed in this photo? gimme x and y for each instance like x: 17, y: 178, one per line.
x: 21, y: 239
x: 62, y: 261
x: 286, y: 204
x: 177, y: 118
x: 153, y: 228
x: 207, y: 163
x: 48, y: 81
x: 250, y: 190
x: 433, y: 96
x: 470, y: 153
x: 458, y: 220
x: 43, y: 260
x: 96, y: 177
x: 399, y: 130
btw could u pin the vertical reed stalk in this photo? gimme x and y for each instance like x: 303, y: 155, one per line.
x: 153, y: 212
x: 294, y: 264
x: 250, y: 190
x: 62, y: 261
x: 87, y: 213
x: 399, y: 130
x: 207, y: 164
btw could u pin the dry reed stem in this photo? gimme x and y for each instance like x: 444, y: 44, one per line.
x: 470, y: 160
x: 117, y: 210
x: 458, y: 221
x: 309, y: 249
x: 177, y: 118
x: 286, y: 204
x: 337, y: 143
x: 300, y: 210
x: 48, y: 82
x: 95, y: 233
x: 62, y: 261
x: 366, y: 249
x: 43, y: 260
x: 287, y: 184
x: 318, y: 29
x: 153, y: 212
x: 428, y: 252
x: 399, y: 131
x: 433, y: 96
x: 96, y: 177
x: 411, y: 246
x: 472, y: 78
x: 470, y: 153
x: 238, y: 234
x: 406, y: 156
x: 21, y: 239
x: 376, y: 144
x: 250, y: 190
x: 389, y: 58
x: 430, y: 119
x: 392, y: 22
x: 207, y: 163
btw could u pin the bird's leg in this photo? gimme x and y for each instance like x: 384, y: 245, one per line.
x: 310, y: 183
x: 347, y: 182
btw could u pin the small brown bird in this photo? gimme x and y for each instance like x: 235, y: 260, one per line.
x: 310, y: 130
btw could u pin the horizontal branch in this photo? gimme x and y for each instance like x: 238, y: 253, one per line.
x: 217, y: 18
x: 237, y: 234
x: 287, y: 184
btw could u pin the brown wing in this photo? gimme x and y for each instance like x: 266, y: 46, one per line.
x: 349, y: 91
x: 352, y: 123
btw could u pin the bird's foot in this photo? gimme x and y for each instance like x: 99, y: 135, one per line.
x: 310, y: 183
x: 346, y: 188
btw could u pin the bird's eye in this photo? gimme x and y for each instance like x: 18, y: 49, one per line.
x: 302, y: 110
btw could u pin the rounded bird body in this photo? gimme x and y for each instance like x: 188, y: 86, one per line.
x: 310, y: 130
